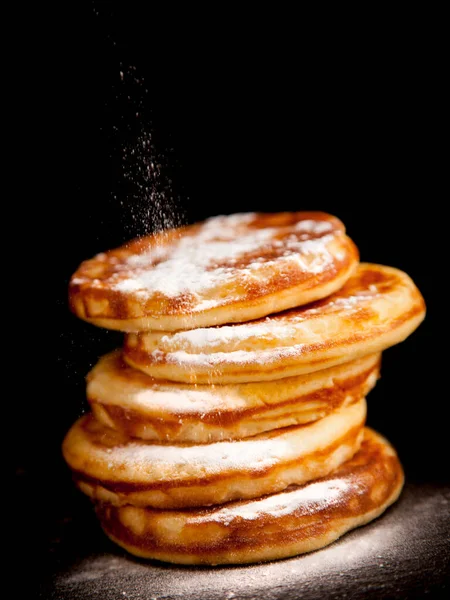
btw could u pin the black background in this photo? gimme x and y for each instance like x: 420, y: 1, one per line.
x: 250, y: 116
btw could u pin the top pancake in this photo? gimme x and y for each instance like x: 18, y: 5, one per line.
x: 378, y: 307
x: 226, y: 269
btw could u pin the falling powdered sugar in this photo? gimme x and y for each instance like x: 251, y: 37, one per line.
x: 145, y: 190
x: 149, y: 198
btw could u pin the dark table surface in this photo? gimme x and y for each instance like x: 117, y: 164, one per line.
x: 403, y: 554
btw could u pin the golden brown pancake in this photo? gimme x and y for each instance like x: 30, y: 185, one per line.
x: 378, y: 307
x: 226, y: 269
x: 139, y: 406
x: 295, y: 521
x: 110, y: 467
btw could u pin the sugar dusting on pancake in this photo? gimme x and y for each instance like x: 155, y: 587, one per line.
x: 279, y: 329
x: 310, y: 497
x: 211, y: 258
x: 378, y: 306
x: 112, y: 467
x: 94, y: 448
x: 226, y: 269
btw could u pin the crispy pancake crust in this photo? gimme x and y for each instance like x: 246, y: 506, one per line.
x: 298, y: 520
x: 110, y: 467
x: 139, y: 406
x: 226, y: 269
x: 378, y: 307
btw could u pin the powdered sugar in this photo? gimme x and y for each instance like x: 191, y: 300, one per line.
x: 148, y: 461
x: 309, y: 498
x: 287, y: 329
x: 189, y: 399
x: 311, y: 226
x: 195, y: 264
x: 207, y: 460
x: 215, y: 336
x: 188, y: 360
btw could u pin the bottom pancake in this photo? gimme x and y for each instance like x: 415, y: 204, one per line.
x: 297, y: 520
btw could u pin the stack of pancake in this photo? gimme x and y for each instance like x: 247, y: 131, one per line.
x: 230, y: 428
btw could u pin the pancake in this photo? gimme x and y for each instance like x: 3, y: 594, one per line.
x: 139, y: 406
x: 297, y: 520
x: 110, y: 467
x: 226, y: 269
x: 378, y: 307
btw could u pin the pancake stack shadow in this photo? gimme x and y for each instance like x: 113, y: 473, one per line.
x: 230, y: 427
